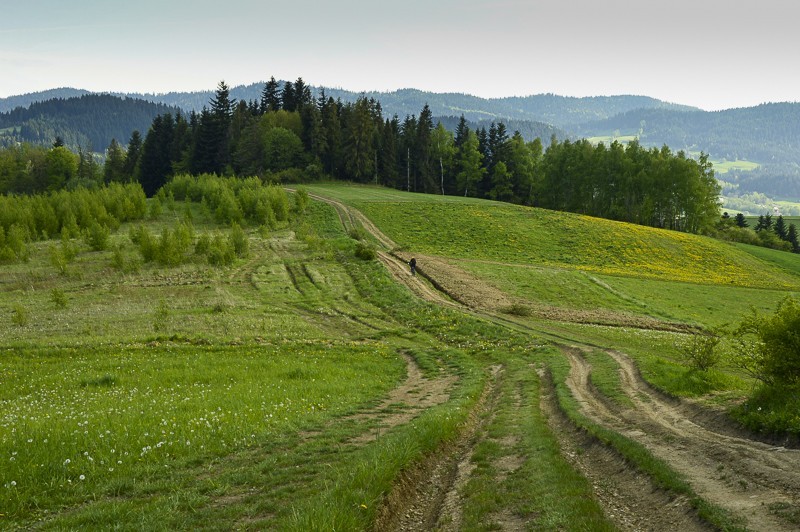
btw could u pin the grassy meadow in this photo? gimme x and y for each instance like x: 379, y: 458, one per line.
x: 575, y: 263
x: 139, y: 395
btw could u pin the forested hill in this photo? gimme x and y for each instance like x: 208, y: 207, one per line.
x: 768, y: 133
x: 25, y: 100
x: 91, y: 120
x: 559, y: 111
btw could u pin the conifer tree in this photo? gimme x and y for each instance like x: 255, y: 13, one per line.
x: 792, y: 238
x: 288, y: 97
x: 114, y: 170
x: 132, y: 155
x: 780, y: 228
x: 270, y: 96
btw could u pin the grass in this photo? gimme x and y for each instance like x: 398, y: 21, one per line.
x: 457, y: 228
x: 723, y: 167
x: 605, y: 377
x: 259, y: 366
x: 540, y: 484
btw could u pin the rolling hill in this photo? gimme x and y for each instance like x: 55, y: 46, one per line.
x: 302, y: 387
x: 89, y: 120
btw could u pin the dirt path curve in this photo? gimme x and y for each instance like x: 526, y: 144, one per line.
x: 628, y: 497
x: 751, y: 479
x: 428, y: 497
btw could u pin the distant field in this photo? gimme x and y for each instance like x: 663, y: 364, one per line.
x: 608, y: 139
x: 723, y: 167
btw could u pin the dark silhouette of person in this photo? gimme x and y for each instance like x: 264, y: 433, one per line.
x: 413, y: 264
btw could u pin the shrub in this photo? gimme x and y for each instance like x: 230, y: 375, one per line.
x: 96, y: 236
x: 700, y: 350
x: 239, y: 241
x: 58, y: 297
x: 202, y: 245
x: 517, y: 309
x: 301, y: 200
x: 365, y: 251
x: 358, y: 233
x: 57, y: 259
x: 220, y: 251
x: 768, y: 347
x: 20, y: 316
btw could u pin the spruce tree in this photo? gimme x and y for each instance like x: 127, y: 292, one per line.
x: 288, y: 97
x: 270, y: 96
x: 740, y: 220
x: 792, y: 238
x: 780, y: 228
x: 114, y: 170
x: 132, y: 155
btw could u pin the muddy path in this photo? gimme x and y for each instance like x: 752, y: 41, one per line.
x: 753, y: 480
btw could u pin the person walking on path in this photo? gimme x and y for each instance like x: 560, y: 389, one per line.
x: 413, y: 264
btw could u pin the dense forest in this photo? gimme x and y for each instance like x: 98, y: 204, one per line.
x: 288, y: 135
x: 765, y: 134
x: 88, y: 122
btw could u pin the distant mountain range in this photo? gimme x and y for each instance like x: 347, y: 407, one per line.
x: 767, y: 134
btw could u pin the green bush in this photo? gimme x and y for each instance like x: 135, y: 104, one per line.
x: 700, y: 350
x: 301, y: 200
x: 239, y: 241
x: 20, y: 316
x: 202, y: 245
x: 365, y: 251
x: 58, y: 297
x: 768, y: 346
x: 220, y: 251
x: 772, y: 410
x: 96, y: 236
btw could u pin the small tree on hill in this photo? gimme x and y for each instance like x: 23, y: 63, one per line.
x: 740, y: 220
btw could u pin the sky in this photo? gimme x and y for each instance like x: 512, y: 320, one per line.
x: 711, y: 54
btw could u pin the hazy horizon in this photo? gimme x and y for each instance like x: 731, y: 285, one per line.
x: 708, y: 53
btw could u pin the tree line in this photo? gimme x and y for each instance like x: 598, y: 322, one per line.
x: 289, y: 135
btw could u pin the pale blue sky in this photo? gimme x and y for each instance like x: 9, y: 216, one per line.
x: 710, y: 53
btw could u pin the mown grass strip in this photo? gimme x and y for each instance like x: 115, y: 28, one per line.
x: 605, y: 377
x: 659, y: 471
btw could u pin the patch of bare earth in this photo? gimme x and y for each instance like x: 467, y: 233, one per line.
x: 415, y: 394
x: 744, y: 476
x: 427, y: 496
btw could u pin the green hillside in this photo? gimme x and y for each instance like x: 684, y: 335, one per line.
x: 480, y: 230
x: 186, y: 372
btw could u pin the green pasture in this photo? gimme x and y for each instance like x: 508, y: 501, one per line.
x: 199, y: 396
x: 469, y: 229
x: 723, y: 167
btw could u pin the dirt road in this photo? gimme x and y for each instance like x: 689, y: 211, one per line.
x: 756, y: 482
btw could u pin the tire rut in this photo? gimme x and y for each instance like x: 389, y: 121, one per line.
x: 427, y: 496
x: 744, y: 476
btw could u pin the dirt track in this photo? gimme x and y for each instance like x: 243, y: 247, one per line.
x: 751, y: 479
x: 747, y: 477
